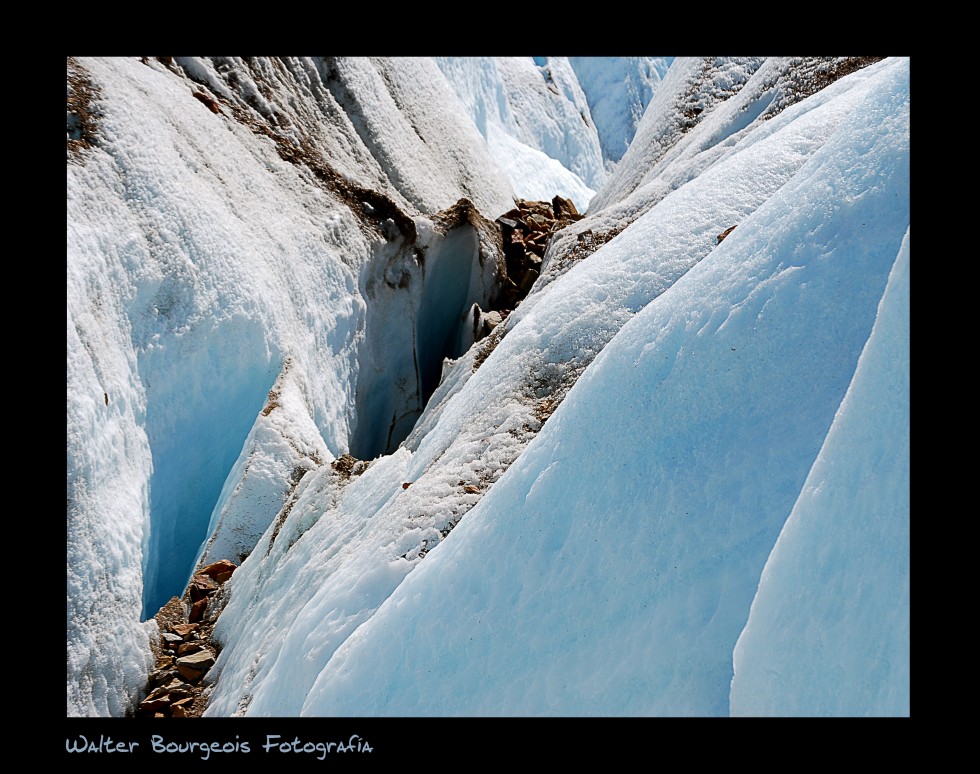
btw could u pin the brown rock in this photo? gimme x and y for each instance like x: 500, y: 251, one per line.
x: 183, y: 703
x: 202, y: 586
x: 406, y: 485
x: 537, y: 248
x: 189, y: 647
x: 219, y: 567
x: 161, y: 676
x: 197, y: 609
x: 223, y: 577
x: 152, y: 705
x: 542, y: 209
x: 157, y: 692
x: 563, y: 207
x: 725, y: 233
x: 180, y: 690
x: 170, y: 639
x: 184, y: 629
x: 178, y: 712
x: 208, y: 100
x: 471, y: 489
x: 528, y: 280
x: 189, y: 674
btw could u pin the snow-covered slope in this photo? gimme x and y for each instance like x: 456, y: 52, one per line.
x: 829, y: 632
x: 579, y: 519
x: 535, y: 118
x: 618, y: 90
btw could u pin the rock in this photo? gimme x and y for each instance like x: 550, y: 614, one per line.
x: 406, y: 485
x: 208, y: 100
x: 170, y: 639
x: 202, y: 586
x: 492, y: 319
x: 469, y: 488
x: 183, y: 703
x: 725, y: 233
x: 538, y: 241
x: 507, y: 222
x: 189, y: 647
x: 154, y: 705
x: 222, y: 577
x: 178, y: 690
x: 178, y: 712
x: 541, y: 209
x: 174, y: 612
x: 162, y: 675
x: 156, y: 693
x: 202, y: 661
x: 219, y: 568
x: 189, y: 674
x: 197, y: 609
x: 184, y: 629
x: 174, y: 690
x: 535, y: 248
x: 347, y: 465
x: 527, y: 281
x: 563, y: 208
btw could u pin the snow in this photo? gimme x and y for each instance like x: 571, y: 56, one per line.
x: 598, y: 501
x: 283, y: 445
x: 829, y: 631
x: 618, y: 90
x: 409, y: 119
x: 535, y: 119
x: 534, y: 175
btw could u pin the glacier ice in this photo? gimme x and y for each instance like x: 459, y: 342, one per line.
x: 591, y: 500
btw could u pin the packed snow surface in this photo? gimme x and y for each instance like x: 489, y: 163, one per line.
x: 535, y: 118
x: 829, y: 632
x: 618, y: 90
